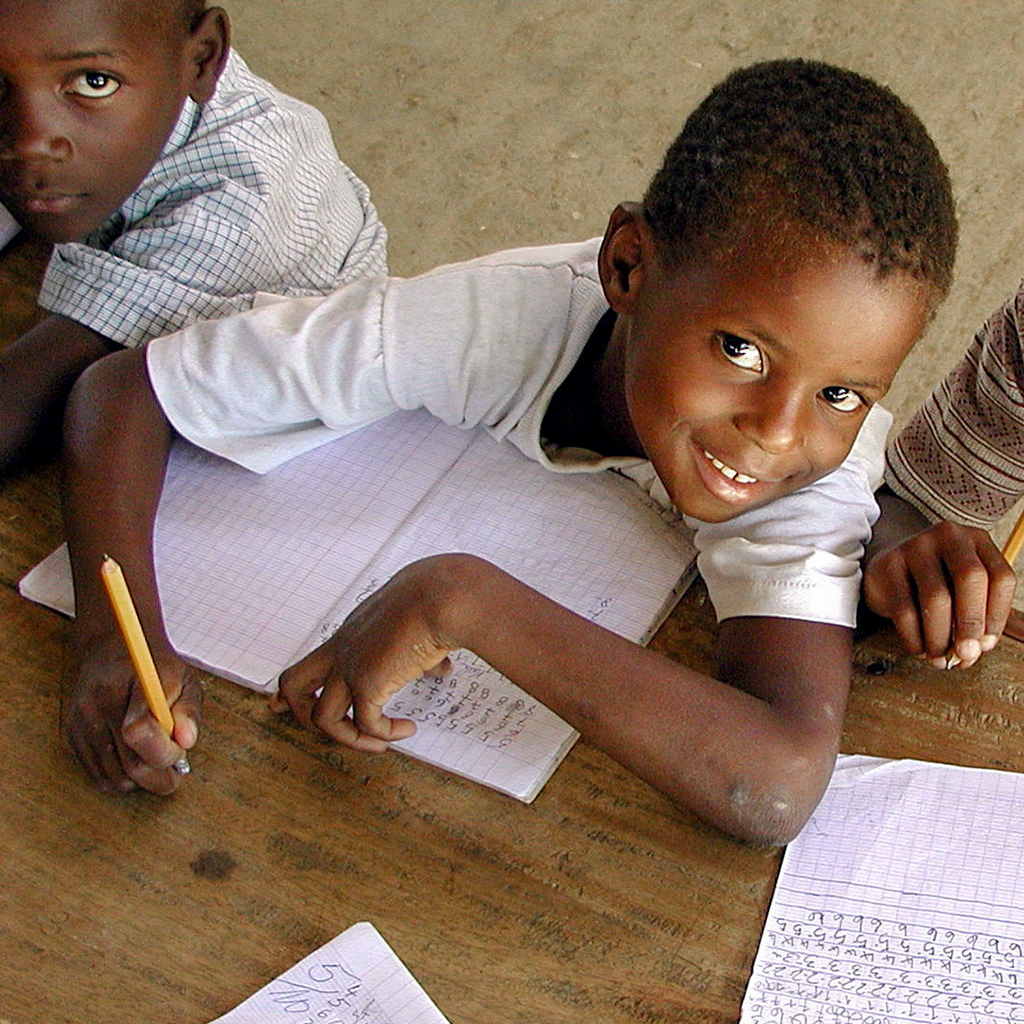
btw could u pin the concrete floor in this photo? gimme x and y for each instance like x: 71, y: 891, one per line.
x: 482, y: 124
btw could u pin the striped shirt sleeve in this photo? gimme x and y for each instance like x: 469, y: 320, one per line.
x: 961, y: 456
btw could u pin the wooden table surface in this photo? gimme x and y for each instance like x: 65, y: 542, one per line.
x: 599, y: 902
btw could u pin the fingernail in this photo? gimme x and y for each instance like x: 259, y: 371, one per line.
x: 988, y: 641
x: 942, y: 662
x: 969, y: 650
x: 188, y: 733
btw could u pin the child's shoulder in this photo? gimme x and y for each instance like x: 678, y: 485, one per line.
x: 577, y: 259
x: 254, y: 109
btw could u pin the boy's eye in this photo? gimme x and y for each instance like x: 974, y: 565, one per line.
x: 742, y: 353
x: 842, y: 399
x: 94, y: 85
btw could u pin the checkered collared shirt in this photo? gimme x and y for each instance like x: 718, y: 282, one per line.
x: 249, y: 195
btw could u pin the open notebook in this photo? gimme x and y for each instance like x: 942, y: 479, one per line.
x: 255, y: 571
x: 356, y: 978
x: 902, y: 901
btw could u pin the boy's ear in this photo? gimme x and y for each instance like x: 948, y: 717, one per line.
x: 207, y: 52
x: 626, y: 250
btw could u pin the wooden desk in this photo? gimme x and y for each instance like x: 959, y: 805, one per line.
x: 598, y: 902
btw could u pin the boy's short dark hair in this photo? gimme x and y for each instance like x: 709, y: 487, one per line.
x: 806, y: 144
x: 191, y: 11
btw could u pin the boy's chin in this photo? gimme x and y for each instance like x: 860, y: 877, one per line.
x: 56, y: 230
x: 718, y: 511
x: 70, y: 226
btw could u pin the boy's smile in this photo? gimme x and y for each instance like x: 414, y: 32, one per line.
x: 748, y: 376
x: 89, y: 94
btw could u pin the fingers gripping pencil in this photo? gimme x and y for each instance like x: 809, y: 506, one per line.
x: 138, y: 649
x: 1011, y: 549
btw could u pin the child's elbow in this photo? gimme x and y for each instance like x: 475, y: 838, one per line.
x: 771, y: 806
x: 772, y: 818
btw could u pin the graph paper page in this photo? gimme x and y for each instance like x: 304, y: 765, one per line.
x: 353, y: 979
x: 900, y: 902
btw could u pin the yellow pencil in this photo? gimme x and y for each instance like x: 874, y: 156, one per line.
x: 1011, y: 549
x: 138, y: 649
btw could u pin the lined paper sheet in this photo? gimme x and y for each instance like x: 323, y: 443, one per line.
x: 255, y: 571
x: 353, y: 979
x: 8, y: 226
x: 902, y: 901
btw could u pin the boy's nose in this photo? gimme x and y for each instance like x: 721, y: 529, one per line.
x: 776, y: 421
x: 29, y: 132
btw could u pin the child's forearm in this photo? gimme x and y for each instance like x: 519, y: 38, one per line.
x: 117, y: 441
x: 116, y: 445
x: 898, y: 520
x: 36, y: 373
x: 753, y: 761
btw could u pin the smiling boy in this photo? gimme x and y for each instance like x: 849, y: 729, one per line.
x: 725, y: 343
x: 175, y: 183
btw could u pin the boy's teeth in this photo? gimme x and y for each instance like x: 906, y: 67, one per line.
x: 732, y: 474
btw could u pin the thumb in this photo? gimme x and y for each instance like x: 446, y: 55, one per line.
x: 187, y: 712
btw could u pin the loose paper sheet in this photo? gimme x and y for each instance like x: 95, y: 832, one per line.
x: 902, y: 901
x: 353, y: 979
x: 8, y: 226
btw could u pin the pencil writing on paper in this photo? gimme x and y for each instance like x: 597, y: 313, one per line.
x: 898, y: 901
x: 251, y: 580
x: 138, y: 649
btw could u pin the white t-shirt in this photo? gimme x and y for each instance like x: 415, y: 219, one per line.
x: 487, y: 343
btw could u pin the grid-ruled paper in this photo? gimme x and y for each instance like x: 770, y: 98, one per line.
x: 900, y: 902
x: 353, y: 979
x: 255, y: 571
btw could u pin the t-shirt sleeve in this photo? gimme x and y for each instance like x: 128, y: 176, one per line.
x: 278, y: 380
x: 185, y: 266
x: 798, y: 557
x: 203, y: 258
x: 961, y: 456
x: 476, y: 344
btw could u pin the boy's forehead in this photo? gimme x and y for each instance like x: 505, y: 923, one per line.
x: 123, y: 17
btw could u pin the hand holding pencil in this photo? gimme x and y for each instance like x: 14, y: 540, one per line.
x: 138, y: 650
x: 947, y: 589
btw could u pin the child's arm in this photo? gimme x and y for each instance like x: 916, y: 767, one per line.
x: 750, y: 752
x: 36, y: 373
x: 116, y: 445
x: 945, y: 587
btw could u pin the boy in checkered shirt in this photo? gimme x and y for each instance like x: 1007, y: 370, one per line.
x: 175, y: 183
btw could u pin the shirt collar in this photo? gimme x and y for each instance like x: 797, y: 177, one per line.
x: 185, y: 126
